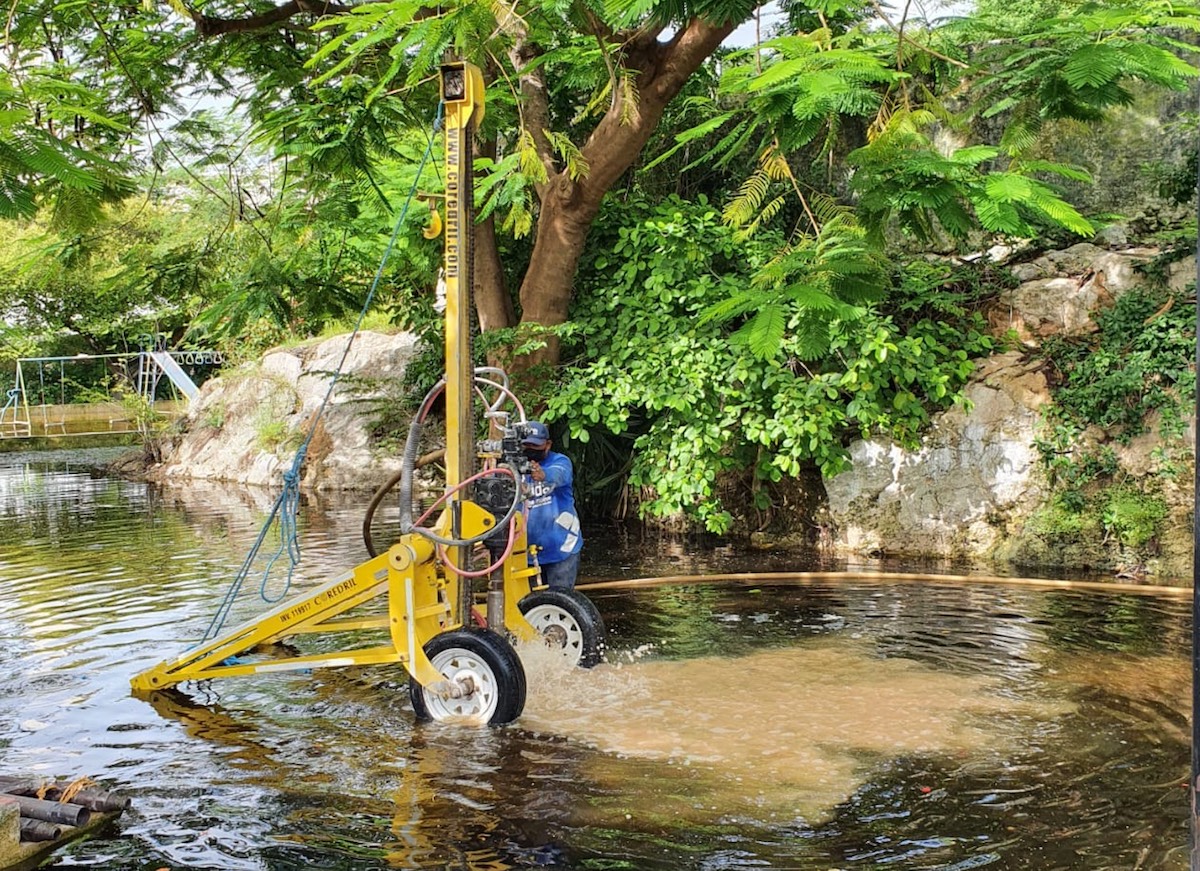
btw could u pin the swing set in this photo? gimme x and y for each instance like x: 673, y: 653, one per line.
x: 48, y: 405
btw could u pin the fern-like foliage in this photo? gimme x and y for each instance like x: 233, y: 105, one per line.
x: 38, y: 167
x: 809, y: 82
x: 529, y: 160
x: 625, y: 13
x: 902, y: 177
x: 505, y: 187
x: 746, y: 206
x: 629, y: 97
x: 572, y: 157
x: 1077, y: 65
x: 813, y: 281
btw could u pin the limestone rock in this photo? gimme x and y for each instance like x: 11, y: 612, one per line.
x: 1113, y: 236
x: 246, y: 425
x: 1060, y: 291
x: 1182, y: 274
x: 955, y: 495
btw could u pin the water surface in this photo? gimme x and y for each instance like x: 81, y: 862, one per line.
x: 836, y: 724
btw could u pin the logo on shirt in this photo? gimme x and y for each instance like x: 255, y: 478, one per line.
x: 538, y: 493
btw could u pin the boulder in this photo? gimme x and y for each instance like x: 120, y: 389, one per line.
x: 246, y: 425
x: 1181, y: 275
x: 1060, y: 291
x: 975, y: 473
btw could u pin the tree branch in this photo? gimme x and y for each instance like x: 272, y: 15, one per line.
x: 664, y: 69
x: 901, y: 38
x: 209, y: 26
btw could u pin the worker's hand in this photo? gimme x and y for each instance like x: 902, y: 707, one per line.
x: 536, y: 472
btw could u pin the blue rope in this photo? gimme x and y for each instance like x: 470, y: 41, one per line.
x: 287, y: 505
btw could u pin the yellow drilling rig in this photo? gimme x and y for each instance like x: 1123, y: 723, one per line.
x: 416, y: 601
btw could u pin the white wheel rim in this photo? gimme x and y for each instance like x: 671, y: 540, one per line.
x: 545, y: 618
x: 457, y: 664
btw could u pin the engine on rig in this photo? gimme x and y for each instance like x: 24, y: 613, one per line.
x: 496, y: 493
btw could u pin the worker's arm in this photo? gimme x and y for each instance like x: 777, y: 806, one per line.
x: 556, y: 474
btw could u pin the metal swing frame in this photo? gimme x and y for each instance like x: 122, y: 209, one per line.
x: 16, y: 414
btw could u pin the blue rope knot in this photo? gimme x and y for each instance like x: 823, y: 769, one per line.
x: 291, y: 478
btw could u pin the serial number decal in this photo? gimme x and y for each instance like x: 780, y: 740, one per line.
x: 320, y: 599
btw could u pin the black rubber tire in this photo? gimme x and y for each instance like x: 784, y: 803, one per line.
x: 495, y: 663
x: 575, y: 614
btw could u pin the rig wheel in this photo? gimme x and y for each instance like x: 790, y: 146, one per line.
x: 483, y: 664
x: 567, y: 619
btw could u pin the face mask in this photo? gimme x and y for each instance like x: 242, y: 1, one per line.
x: 535, y: 453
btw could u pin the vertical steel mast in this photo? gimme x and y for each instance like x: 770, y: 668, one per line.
x: 463, y: 95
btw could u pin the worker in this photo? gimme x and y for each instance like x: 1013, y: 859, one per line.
x: 553, y: 525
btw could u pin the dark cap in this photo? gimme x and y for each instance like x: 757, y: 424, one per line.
x: 536, y: 434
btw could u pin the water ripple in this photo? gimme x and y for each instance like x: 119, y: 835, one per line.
x: 940, y: 726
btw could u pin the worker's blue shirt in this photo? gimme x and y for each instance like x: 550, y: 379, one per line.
x: 553, y: 524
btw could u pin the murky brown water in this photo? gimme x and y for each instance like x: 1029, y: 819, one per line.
x: 830, y: 725
x: 783, y: 730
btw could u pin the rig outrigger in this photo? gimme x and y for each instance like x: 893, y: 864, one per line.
x: 419, y: 593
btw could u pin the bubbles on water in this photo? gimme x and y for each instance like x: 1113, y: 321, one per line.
x: 555, y: 687
x: 620, y: 657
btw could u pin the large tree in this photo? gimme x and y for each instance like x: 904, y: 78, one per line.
x: 587, y: 86
x: 576, y: 90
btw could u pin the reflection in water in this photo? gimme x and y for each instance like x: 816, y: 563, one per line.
x: 830, y: 725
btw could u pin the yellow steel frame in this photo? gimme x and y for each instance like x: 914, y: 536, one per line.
x: 408, y: 593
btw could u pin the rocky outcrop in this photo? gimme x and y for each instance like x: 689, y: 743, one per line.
x: 246, y: 425
x: 1060, y: 291
x: 975, y: 489
x: 975, y: 473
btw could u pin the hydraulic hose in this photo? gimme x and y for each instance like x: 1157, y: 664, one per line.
x: 373, y: 506
x: 405, y: 479
x: 799, y: 579
x: 408, y: 465
x: 385, y: 489
x: 475, y: 539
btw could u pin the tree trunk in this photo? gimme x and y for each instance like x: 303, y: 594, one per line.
x: 568, y: 206
x: 562, y: 229
x: 492, y: 302
x: 493, y: 305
